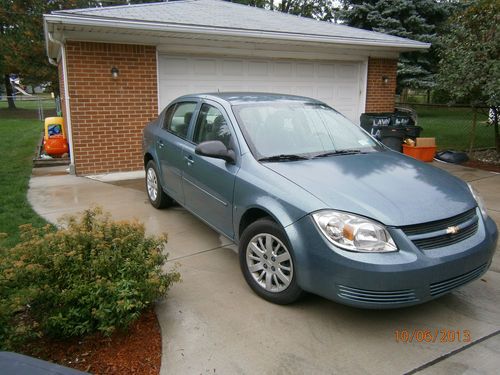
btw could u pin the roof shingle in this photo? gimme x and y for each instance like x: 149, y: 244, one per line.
x: 226, y: 15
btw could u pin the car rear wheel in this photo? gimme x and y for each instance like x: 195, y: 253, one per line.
x: 156, y: 195
x: 267, y: 262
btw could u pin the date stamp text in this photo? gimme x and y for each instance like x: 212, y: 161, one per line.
x: 435, y: 335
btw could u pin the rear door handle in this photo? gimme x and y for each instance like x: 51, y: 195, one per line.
x: 160, y: 143
x: 189, y: 159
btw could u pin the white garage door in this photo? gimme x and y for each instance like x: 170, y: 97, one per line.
x: 339, y: 84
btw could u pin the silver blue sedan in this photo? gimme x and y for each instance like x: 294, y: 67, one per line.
x: 314, y: 203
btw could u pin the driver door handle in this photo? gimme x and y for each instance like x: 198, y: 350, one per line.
x: 189, y: 159
x: 160, y: 143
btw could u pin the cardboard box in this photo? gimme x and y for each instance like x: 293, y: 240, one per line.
x: 426, y: 142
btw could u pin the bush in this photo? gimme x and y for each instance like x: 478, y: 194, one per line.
x: 95, y: 274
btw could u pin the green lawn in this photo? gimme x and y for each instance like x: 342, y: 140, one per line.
x: 18, y: 141
x: 31, y: 103
x: 452, y: 127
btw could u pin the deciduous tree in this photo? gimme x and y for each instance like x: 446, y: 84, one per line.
x: 22, y: 43
x: 470, y: 60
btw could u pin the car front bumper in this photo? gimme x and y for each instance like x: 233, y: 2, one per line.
x: 387, y: 280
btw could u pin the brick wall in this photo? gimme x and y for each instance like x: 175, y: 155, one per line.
x: 380, y: 95
x: 108, y: 115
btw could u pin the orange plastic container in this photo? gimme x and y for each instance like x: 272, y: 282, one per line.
x: 421, y: 153
x: 54, y: 137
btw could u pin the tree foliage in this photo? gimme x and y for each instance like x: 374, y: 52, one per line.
x: 317, y: 9
x: 470, y: 59
x: 420, y: 20
x: 22, y: 43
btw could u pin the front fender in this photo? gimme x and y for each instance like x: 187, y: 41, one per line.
x: 257, y: 186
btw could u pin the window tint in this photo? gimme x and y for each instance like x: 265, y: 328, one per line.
x: 178, y: 117
x: 211, y: 126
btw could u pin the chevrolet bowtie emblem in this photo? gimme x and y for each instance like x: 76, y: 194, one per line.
x: 452, y: 230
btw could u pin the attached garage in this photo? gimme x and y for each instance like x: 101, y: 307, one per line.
x: 340, y: 84
x: 120, y: 66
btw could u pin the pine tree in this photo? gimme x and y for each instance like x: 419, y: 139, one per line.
x: 420, y: 20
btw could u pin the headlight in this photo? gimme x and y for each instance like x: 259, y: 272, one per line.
x: 479, y: 200
x: 354, y: 233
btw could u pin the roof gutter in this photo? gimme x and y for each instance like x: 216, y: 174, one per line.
x: 79, y: 20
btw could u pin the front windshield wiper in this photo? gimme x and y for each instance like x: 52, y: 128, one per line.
x: 339, y: 152
x: 283, y: 157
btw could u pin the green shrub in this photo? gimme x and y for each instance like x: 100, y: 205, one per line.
x: 95, y: 274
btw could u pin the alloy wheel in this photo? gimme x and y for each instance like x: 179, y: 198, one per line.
x: 269, y: 262
x: 152, y: 184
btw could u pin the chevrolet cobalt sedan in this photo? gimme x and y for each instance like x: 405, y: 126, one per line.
x: 314, y: 203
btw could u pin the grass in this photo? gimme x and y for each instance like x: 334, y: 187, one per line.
x: 31, y: 103
x: 18, y: 141
x: 452, y: 127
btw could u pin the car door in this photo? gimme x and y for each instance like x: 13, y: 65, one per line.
x: 209, y: 182
x: 169, y: 146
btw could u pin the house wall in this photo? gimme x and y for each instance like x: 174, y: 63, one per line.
x: 380, y: 95
x: 108, y: 115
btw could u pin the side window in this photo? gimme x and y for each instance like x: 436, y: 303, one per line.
x: 211, y: 126
x: 168, y: 116
x: 177, y: 118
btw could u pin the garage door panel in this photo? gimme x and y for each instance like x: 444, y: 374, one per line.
x: 258, y: 69
x: 283, y: 69
x: 305, y: 70
x: 205, y: 66
x: 304, y: 91
x: 174, y: 65
x: 347, y: 72
x: 335, y: 83
x: 232, y: 67
x: 326, y: 71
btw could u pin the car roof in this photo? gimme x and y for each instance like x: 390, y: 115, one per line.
x: 235, y: 98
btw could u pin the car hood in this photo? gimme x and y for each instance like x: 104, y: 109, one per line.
x: 387, y: 186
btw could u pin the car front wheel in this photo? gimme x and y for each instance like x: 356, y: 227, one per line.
x: 156, y: 195
x: 267, y: 263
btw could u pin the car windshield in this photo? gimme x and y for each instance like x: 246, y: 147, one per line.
x: 277, y: 130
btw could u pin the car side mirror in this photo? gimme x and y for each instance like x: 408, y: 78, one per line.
x: 215, y: 149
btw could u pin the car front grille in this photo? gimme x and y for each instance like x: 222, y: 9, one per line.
x: 435, y: 234
x: 370, y: 296
x: 445, y: 286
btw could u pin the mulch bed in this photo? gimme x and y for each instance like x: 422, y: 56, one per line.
x: 136, y: 351
x: 487, y: 159
x: 482, y: 165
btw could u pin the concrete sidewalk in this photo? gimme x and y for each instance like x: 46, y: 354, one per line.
x: 213, y: 323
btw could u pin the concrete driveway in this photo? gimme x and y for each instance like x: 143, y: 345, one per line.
x: 212, y: 323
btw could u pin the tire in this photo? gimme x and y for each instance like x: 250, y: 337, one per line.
x: 156, y: 195
x: 269, y: 271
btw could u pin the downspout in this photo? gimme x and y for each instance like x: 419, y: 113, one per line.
x: 66, y: 99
